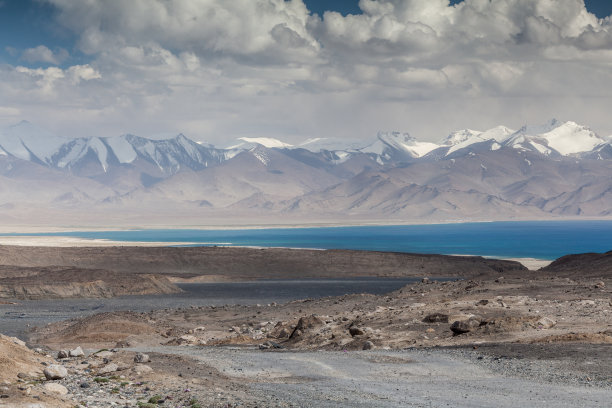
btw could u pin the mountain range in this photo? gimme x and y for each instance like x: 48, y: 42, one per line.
x: 559, y: 169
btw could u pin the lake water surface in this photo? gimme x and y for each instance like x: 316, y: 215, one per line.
x: 526, y: 239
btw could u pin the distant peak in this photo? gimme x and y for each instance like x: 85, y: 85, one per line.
x: 265, y: 141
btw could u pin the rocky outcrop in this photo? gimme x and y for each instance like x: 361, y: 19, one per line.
x: 59, y: 283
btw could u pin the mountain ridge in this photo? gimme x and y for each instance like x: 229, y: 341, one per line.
x: 559, y: 169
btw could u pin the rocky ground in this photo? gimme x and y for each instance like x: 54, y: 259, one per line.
x: 513, y: 330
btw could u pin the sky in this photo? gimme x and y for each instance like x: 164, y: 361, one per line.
x: 217, y: 70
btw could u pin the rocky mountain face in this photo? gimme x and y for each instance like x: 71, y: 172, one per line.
x: 551, y: 170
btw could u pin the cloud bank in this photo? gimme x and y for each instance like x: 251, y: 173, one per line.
x: 218, y: 70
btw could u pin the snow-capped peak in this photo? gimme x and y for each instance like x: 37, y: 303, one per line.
x: 459, y: 136
x: 563, y: 137
x: 28, y: 141
x: 462, y: 139
x: 392, y: 143
x: 330, y: 144
x: 571, y: 137
x: 265, y: 142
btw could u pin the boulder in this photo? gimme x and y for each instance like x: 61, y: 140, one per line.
x: 142, y: 369
x: 62, y: 354
x: 104, y: 354
x: 141, y: 358
x: 465, y: 326
x: 55, y: 372
x: 368, y: 345
x: 56, y: 388
x: 77, y: 352
x: 545, y: 323
x: 356, y: 331
x: 109, y: 368
x: 304, y: 324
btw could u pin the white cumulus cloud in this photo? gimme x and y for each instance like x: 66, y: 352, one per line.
x: 218, y: 69
x: 43, y: 54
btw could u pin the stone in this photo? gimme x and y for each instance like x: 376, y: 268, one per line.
x: 104, y: 354
x: 142, y: 369
x: 465, y: 326
x: 600, y: 285
x: 56, y: 388
x: 356, y: 331
x: 187, y: 339
x: 304, y: 324
x: 77, y: 352
x: 269, y: 345
x: 482, y: 302
x: 141, y: 358
x: 545, y: 323
x: 368, y: 345
x: 17, y: 341
x: 436, y: 318
x: 109, y: 368
x: 62, y: 354
x: 85, y: 385
x: 55, y: 372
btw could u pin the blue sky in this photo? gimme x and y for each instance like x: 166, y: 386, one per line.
x: 291, y: 71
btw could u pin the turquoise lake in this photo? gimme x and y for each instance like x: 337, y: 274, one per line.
x: 529, y: 239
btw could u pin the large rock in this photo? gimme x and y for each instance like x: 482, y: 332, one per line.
x: 545, y: 323
x: 368, y: 345
x: 77, y: 352
x: 55, y: 372
x: 142, y: 369
x: 109, y: 368
x: 141, y: 358
x: 465, y: 326
x: 356, y: 331
x: 56, y: 388
x: 304, y: 324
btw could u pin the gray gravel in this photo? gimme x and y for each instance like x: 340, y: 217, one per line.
x: 412, y: 378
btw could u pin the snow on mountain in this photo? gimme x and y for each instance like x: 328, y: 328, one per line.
x: 30, y: 142
x: 563, y: 138
x: 330, y: 144
x: 459, y: 136
x: 571, y: 137
x: 73, y: 152
x: 398, y: 146
x: 247, y: 143
x: 466, y: 138
x: 170, y: 155
x: 250, y: 143
x: 122, y: 149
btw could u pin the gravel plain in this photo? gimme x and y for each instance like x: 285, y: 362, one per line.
x: 395, y: 378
